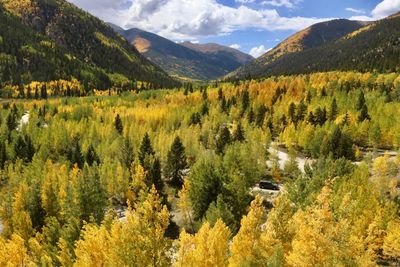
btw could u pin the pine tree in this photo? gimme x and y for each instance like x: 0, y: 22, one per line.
x: 145, y: 149
x: 250, y: 116
x: 3, y: 154
x: 238, y: 135
x: 261, y: 115
x: 75, y: 155
x: 333, y: 111
x: 364, y: 114
x: 360, y: 101
x: 176, y: 163
x: 245, y: 101
x: 127, y: 154
x: 91, y: 156
x: 118, y: 124
x: 292, y: 112
x: 223, y: 139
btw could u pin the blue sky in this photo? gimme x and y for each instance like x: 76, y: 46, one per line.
x: 253, y: 26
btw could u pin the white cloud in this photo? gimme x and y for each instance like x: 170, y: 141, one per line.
x: 258, y: 51
x: 188, y: 19
x: 235, y: 46
x: 282, y: 3
x: 386, y: 8
x: 354, y: 10
x: 245, y: 1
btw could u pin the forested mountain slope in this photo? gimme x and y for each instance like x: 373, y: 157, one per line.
x: 92, y: 52
x: 315, y: 36
x: 183, y: 60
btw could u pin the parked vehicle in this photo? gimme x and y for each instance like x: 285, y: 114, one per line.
x: 268, y: 185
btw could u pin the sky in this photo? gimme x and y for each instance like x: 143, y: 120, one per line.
x: 252, y: 26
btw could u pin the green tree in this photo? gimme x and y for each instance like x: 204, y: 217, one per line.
x: 145, y: 149
x: 245, y: 101
x: 176, y: 163
x: 238, y: 134
x: 292, y: 112
x: 91, y: 156
x: 360, y: 101
x: 333, y: 112
x: 223, y: 139
x: 364, y: 114
x: 118, y: 124
x: 75, y: 155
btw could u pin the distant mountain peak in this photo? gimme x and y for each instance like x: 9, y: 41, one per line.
x: 186, y: 60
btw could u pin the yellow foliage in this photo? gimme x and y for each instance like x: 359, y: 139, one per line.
x: 245, y: 244
x: 209, y: 247
x: 391, y: 245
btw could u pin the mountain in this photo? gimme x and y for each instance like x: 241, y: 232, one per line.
x: 53, y: 39
x: 313, y: 37
x: 220, y: 52
x: 184, y: 61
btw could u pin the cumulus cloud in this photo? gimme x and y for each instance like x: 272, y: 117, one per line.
x: 235, y: 46
x: 188, y: 20
x: 354, y: 10
x: 258, y: 51
x: 386, y: 8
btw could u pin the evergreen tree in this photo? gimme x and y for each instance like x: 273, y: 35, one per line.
x: 360, y: 101
x: 333, y: 111
x: 220, y: 94
x: 292, y: 112
x: 20, y: 148
x: 301, y: 111
x: 364, y: 114
x: 176, y: 163
x: 223, y: 139
x: 127, y: 154
x: 75, y: 153
x: 11, y: 121
x: 245, y: 101
x: 118, y: 124
x: 3, y: 154
x: 261, y: 115
x: 238, y: 135
x: 29, y: 148
x: 250, y: 116
x: 91, y: 156
x: 195, y: 119
x: 145, y: 149
x: 154, y: 176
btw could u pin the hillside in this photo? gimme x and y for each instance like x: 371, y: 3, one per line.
x: 220, y: 52
x: 97, y: 55
x: 184, y: 61
x: 314, y: 36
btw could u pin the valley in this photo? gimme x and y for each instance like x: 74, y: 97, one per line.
x: 120, y: 147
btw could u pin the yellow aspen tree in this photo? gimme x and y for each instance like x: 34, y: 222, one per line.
x: 14, y: 253
x: 209, y: 247
x: 245, y: 245
x: 277, y: 233
x: 140, y: 239
x: 311, y: 244
x: 185, y: 206
x: 65, y: 256
x: 391, y: 245
x: 93, y: 249
x: 21, y: 221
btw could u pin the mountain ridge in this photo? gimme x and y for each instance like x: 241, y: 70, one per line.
x: 87, y: 38
x: 182, y: 61
x: 314, y: 36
